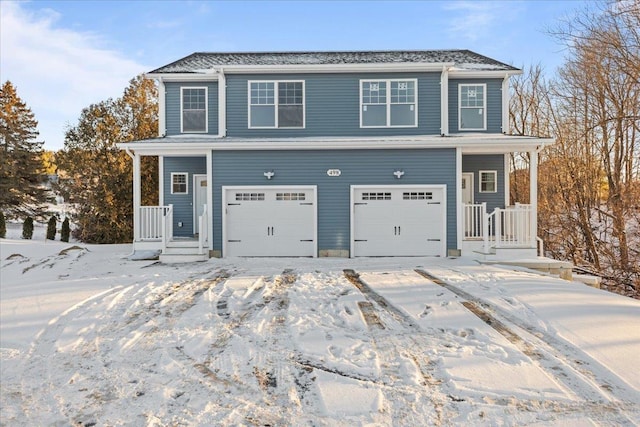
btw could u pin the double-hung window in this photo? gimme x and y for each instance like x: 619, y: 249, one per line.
x: 488, y: 181
x: 194, y: 109
x: 276, y: 104
x: 388, y: 103
x: 179, y: 183
x: 472, y: 102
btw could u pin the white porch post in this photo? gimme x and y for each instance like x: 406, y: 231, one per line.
x: 533, y: 192
x: 507, y: 180
x: 458, y: 193
x: 137, y: 197
x: 210, y: 198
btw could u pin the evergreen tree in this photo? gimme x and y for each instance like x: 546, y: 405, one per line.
x: 51, y: 228
x: 65, y: 231
x: 3, y: 226
x: 27, y: 228
x: 96, y: 176
x: 21, y: 174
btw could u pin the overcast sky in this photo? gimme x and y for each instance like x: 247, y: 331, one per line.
x: 64, y: 55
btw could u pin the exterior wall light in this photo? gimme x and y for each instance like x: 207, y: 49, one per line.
x: 269, y: 174
x: 398, y: 173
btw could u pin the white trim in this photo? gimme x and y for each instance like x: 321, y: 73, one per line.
x: 186, y: 181
x: 470, y: 144
x: 137, y: 196
x: 461, y: 73
x: 162, y: 108
x: 222, y: 104
x: 484, y: 107
x: 459, y: 213
x: 533, y: 191
x: 194, y: 205
x: 226, y: 188
x: 495, y: 182
x: 388, y: 103
x: 209, y: 163
x: 507, y: 180
x: 276, y: 89
x: 443, y: 187
x: 444, y: 102
x: 206, y: 109
x: 161, y: 180
x: 506, y: 98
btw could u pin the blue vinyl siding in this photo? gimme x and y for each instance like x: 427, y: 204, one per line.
x: 493, y: 107
x: 332, y: 105
x: 182, y: 203
x: 172, y: 103
x: 358, y: 167
x: 489, y: 162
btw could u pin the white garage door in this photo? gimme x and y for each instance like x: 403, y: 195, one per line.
x: 269, y: 221
x: 398, y: 220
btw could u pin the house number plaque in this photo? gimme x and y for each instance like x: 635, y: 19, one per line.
x: 334, y: 172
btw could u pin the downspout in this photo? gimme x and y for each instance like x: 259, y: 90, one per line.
x: 222, y: 103
x: 506, y: 99
x: 444, y: 102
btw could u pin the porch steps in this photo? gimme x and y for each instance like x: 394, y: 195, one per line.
x: 180, y: 251
x: 562, y: 269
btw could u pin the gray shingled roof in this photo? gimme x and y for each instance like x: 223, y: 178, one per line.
x: 200, y: 61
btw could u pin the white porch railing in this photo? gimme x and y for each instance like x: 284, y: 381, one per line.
x: 502, y: 228
x: 151, y: 222
x: 203, y: 230
x: 167, y: 227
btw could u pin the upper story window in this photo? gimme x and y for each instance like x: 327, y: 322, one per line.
x: 472, y: 103
x: 488, y: 181
x: 194, y: 109
x: 276, y: 104
x: 388, y: 103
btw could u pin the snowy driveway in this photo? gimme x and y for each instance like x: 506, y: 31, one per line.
x: 321, y: 342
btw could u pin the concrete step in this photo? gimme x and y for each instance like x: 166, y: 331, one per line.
x: 183, y: 250
x: 181, y: 258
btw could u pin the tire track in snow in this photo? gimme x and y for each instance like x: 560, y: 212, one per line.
x: 552, y: 356
x: 395, y: 350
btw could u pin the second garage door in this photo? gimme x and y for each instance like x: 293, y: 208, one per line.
x: 398, y: 220
x: 269, y: 221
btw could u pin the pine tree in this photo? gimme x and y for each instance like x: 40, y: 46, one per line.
x: 21, y: 174
x: 51, y: 228
x: 3, y: 226
x: 65, y: 231
x: 27, y: 228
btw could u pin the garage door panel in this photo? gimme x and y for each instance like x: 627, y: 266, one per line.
x: 398, y: 221
x: 270, y: 222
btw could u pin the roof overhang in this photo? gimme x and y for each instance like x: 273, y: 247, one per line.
x: 469, y: 144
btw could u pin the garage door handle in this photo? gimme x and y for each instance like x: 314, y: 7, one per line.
x: 433, y: 240
x: 234, y: 241
x: 396, y: 230
x: 233, y: 204
x: 306, y: 204
x: 307, y: 240
x: 269, y: 231
x: 433, y: 203
x: 360, y: 240
x: 357, y: 204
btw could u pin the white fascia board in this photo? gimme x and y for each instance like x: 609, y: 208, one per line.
x: 498, y: 144
x: 337, y: 68
x: 479, y: 74
x: 184, y: 77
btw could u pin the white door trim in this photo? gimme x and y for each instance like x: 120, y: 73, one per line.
x: 195, y: 200
x: 470, y: 176
x: 226, y: 188
x: 443, y: 187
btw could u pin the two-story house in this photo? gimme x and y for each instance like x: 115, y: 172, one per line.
x: 394, y: 153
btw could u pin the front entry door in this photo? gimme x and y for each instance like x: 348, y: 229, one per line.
x: 467, y: 188
x: 200, y: 199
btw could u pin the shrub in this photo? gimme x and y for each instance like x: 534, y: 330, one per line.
x: 3, y: 226
x: 65, y: 230
x: 51, y: 228
x: 27, y: 228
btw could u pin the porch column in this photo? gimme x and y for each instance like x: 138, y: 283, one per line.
x: 137, y: 198
x: 533, y: 192
x: 210, y: 197
x: 458, y: 193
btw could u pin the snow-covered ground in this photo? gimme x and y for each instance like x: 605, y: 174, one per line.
x: 91, y: 338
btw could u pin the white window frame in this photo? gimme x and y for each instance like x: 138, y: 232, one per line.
x: 206, y: 108
x: 481, y: 181
x: 484, y: 106
x: 389, y: 103
x: 186, y: 182
x: 275, y: 104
